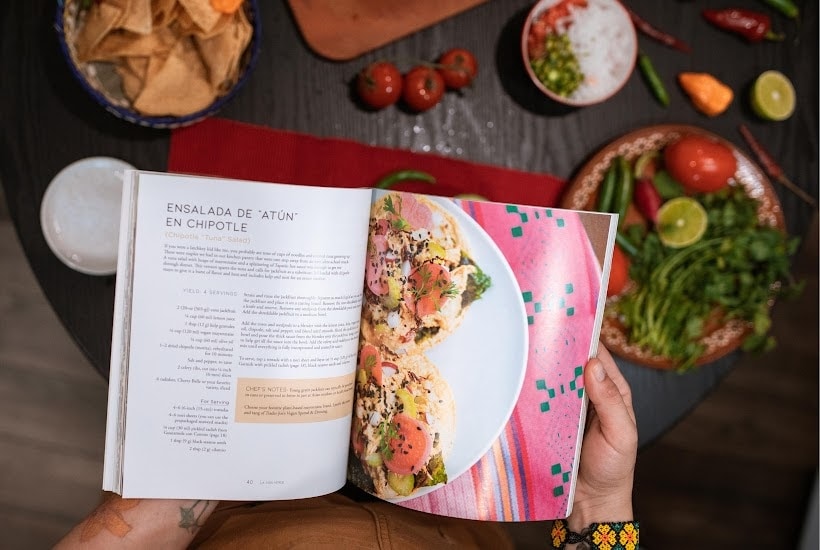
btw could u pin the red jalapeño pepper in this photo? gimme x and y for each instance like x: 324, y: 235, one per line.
x: 751, y: 25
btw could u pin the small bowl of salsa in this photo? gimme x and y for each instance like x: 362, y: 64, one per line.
x: 579, y: 52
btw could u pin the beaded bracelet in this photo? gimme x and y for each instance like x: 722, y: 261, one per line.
x: 621, y: 535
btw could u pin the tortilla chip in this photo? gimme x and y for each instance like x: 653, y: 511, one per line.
x: 124, y: 43
x: 179, y: 88
x: 138, y: 18
x: 132, y: 72
x: 98, y: 23
x: 223, y: 52
x: 202, y: 13
x: 183, y: 25
x: 164, y: 12
x: 137, y: 64
x: 155, y: 64
x: 225, y: 21
x: 124, y: 5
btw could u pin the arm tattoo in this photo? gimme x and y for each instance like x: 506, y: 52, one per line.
x: 189, y: 517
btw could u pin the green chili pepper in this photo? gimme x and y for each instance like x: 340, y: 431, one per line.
x: 626, y: 187
x: 404, y: 175
x: 786, y: 7
x: 652, y: 78
x: 626, y: 245
x: 607, y: 193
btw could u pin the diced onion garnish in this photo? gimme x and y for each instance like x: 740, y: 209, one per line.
x: 375, y: 418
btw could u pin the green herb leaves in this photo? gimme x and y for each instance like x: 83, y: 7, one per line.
x: 386, y: 432
x: 734, y: 272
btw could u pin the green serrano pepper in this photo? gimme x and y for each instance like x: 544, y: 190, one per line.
x: 626, y: 187
x: 404, y: 175
x: 786, y: 7
x: 607, y: 192
x: 652, y: 78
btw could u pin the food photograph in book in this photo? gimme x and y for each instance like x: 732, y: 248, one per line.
x: 477, y: 320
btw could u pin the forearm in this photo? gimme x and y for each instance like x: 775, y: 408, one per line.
x: 139, y: 523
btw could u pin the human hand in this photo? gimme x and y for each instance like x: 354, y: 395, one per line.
x: 603, y: 492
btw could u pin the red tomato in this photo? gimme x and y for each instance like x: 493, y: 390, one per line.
x: 379, y: 84
x: 423, y: 88
x: 411, y: 448
x: 618, y: 273
x: 458, y: 68
x: 700, y: 163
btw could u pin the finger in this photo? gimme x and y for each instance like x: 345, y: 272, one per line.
x: 614, y: 418
x: 615, y: 373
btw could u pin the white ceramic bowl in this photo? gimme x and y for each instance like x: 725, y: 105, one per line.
x: 80, y: 214
x: 602, y: 38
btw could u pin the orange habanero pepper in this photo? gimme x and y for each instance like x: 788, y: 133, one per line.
x: 708, y: 94
x: 226, y: 6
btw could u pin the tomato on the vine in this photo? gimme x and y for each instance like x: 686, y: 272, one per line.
x: 379, y: 84
x: 458, y: 68
x: 423, y: 88
x: 700, y: 163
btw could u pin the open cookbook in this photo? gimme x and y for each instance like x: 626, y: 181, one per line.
x: 277, y: 341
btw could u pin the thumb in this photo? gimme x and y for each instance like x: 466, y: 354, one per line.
x: 610, y: 406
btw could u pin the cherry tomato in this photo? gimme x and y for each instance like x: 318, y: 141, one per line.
x: 700, y: 163
x: 618, y: 273
x: 458, y: 68
x: 379, y: 84
x: 423, y: 88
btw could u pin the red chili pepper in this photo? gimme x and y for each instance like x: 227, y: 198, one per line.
x: 771, y: 167
x: 647, y: 199
x: 657, y: 34
x: 751, y: 25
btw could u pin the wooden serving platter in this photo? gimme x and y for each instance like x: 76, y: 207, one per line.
x: 344, y: 29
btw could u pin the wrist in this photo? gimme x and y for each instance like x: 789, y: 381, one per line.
x: 597, y: 503
x: 600, y: 510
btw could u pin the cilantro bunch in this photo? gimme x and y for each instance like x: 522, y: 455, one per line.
x: 734, y: 272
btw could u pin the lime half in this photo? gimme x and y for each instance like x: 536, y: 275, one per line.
x: 772, y: 96
x: 681, y: 222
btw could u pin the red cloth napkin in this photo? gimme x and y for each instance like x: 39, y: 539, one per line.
x: 220, y: 147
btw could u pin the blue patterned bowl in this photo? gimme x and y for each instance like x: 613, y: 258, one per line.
x: 96, y: 77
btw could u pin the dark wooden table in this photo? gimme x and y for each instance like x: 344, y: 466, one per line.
x: 48, y: 122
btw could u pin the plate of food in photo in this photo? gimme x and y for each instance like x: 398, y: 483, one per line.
x: 443, y: 347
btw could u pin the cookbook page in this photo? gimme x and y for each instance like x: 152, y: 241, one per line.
x: 244, y: 316
x: 478, y: 320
